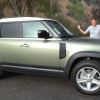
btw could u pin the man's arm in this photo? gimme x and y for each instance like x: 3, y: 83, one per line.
x: 84, y: 32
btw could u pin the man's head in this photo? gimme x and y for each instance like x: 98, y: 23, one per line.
x: 93, y: 21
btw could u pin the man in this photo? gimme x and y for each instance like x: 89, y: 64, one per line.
x: 94, y: 29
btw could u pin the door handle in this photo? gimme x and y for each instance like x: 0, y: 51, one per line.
x: 24, y: 45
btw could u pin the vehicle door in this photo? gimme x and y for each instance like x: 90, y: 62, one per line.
x: 38, y: 55
x: 9, y: 46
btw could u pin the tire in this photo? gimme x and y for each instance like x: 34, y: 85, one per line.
x: 86, y: 77
x: 1, y: 74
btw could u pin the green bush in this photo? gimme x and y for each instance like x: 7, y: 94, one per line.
x: 89, y: 2
x: 74, y: 1
x: 2, y: 6
x: 77, y: 11
x: 68, y: 6
x: 52, y: 9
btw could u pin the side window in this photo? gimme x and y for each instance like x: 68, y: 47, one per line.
x: 30, y: 29
x: 8, y: 30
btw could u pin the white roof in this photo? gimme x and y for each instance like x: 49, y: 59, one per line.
x: 22, y: 19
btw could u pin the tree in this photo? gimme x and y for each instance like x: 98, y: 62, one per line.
x: 19, y: 6
x: 95, y: 10
x: 47, y: 7
x: 15, y: 4
x: 76, y: 10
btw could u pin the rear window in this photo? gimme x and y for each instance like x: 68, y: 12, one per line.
x: 8, y: 30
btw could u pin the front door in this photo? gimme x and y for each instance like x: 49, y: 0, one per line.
x: 38, y: 55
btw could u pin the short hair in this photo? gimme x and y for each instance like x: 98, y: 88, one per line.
x: 93, y: 19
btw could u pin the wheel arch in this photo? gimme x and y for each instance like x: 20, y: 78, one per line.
x: 79, y: 56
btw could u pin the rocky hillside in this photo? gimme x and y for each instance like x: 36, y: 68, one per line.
x: 64, y: 11
x: 62, y: 6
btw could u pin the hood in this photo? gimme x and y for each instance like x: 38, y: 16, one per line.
x: 84, y: 39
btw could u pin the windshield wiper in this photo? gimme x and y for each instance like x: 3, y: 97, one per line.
x: 68, y: 36
x: 74, y: 35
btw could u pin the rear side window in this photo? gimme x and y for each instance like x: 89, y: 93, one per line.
x: 30, y: 29
x: 8, y: 30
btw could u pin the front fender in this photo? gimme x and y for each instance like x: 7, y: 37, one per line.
x: 75, y: 56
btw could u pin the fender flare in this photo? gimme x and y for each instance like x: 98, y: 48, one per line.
x: 82, y: 54
x: 66, y: 70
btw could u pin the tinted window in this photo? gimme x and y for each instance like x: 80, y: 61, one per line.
x: 8, y: 30
x: 30, y: 29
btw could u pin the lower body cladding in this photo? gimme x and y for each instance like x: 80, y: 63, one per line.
x: 34, y: 69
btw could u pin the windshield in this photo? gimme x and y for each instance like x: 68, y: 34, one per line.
x: 59, y: 29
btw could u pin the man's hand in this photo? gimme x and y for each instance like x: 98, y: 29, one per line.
x: 78, y: 26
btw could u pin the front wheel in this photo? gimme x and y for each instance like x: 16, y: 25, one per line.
x: 86, y: 77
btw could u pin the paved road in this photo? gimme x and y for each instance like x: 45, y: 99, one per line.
x: 35, y: 87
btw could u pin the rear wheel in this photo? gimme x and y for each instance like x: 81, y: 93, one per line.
x: 86, y: 77
x: 1, y: 73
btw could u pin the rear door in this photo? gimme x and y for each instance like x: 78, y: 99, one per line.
x: 38, y: 55
x: 9, y: 46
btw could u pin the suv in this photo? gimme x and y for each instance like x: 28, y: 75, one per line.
x: 44, y: 46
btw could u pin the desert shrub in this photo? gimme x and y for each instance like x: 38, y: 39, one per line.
x: 52, y: 9
x: 68, y: 6
x: 77, y: 11
x: 89, y: 2
x: 2, y: 6
x: 74, y: 1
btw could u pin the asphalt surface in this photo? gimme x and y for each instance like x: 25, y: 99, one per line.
x: 16, y: 86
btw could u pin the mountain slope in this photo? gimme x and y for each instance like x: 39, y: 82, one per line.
x: 65, y: 11
x: 62, y: 7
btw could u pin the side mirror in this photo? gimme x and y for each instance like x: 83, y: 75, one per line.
x: 43, y: 34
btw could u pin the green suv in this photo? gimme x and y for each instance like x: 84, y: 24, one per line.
x: 44, y: 46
